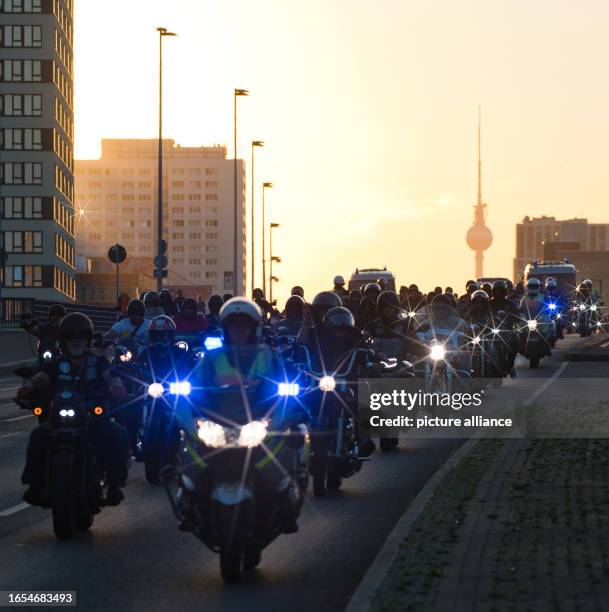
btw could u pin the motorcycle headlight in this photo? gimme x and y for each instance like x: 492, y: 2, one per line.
x: 212, y: 342
x: 598, y: 324
x: 183, y: 345
x: 200, y: 354
x: 582, y: 307
x: 495, y: 331
x: 288, y: 389
x: 252, y: 434
x: 532, y: 324
x: 437, y: 352
x: 476, y: 340
x: 552, y: 306
x: 593, y: 308
x: 179, y: 388
x: 559, y: 316
x: 67, y: 413
x: 126, y: 357
x: 47, y: 355
x: 155, y: 390
x: 327, y: 383
x: 211, y: 434
x: 412, y: 314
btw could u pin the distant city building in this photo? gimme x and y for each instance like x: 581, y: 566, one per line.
x: 534, y: 235
x: 36, y: 148
x: 117, y: 195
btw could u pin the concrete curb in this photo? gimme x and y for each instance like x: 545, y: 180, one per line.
x: 364, y: 595
x: 595, y: 349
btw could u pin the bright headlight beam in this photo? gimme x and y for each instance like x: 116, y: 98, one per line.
x: 288, y: 389
x: 212, y: 342
x: 327, y: 383
x: 211, y: 434
x: 180, y: 388
x: 532, y: 324
x: 182, y: 344
x: 437, y: 352
x: 252, y: 434
x: 155, y: 390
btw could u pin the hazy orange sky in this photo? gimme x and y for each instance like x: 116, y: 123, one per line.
x: 368, y: 110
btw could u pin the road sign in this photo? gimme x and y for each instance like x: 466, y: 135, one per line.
x: 163, y: 247
x: 161, y: 261
x: 117, y: 253
x: 160, y: 273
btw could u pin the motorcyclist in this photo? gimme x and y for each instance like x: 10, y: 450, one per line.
x: 487, y: 287
x: 505, y: 317
x: 414, y: 299
x: 372, y: 291
x: 532, y: 307
x: 593, y: 293
x: 153, y: 305
x: 479, y: 313
x: 134, y: 326
x: 242, y: 363
x: 263, y: 303
x: 167, y: 303
x: 322, y: 302
x: 179, y: 301
x: 189, y: 321
x: 339, y: 288
x: 555, y: 304
x: 297, y: 290
x: 50, y: 329
x: 214, y: 304
x: 91, y: 377
x: 292, y: 323
x: 226, y: 297
x: 392, y: 325
x: 353, y: 301
x: 366, y: 314
x: 464, y: 301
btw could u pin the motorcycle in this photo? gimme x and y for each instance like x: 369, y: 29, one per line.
x: 534, y: 344
x: 489, y: 352
x: 335, y: 447
x: 74, y: 484
x: 242, y: 478
x: 587, y: 319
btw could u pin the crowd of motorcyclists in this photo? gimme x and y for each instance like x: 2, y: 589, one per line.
x: 241, y: 391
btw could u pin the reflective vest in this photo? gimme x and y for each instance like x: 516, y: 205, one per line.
x: 228, y: 375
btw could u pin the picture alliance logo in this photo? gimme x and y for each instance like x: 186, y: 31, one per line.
x: 423, y: 400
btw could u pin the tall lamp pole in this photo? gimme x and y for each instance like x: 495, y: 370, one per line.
x: 265, y: 186
x: 255, y: 143
x: 236, y: 285
x: 159, y: 224
x: 272, y: 259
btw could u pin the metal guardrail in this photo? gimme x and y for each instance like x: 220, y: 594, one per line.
x: 13, y: 309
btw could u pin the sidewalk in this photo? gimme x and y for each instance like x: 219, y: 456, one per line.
x: 518, y: 525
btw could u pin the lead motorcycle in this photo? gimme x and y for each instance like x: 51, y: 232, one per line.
x: 74, y: 484
x: 242, y: 477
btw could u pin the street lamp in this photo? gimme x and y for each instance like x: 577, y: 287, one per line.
x: 255, y: 143
x: 237, y: 93
x: 272, y: 259
x: 160, y: 248
x: 265, y: 186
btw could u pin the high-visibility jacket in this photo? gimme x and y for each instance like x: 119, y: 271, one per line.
x: 226, y: 374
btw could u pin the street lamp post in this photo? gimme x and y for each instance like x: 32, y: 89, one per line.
x: 237, y: 93
x: 272, y: 259
x: 255, y: 143
x: 159, y: 281
x: 265, y: 186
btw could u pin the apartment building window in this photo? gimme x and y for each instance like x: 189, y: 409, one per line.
x: 194, y: 261
x: 177, y: 171
x: 194, y: 209
x: 177, y: 210
x: 211, y: 184
x: 128, y: 172
x: 195, y: 274
x: 210, y: 171
x: 127, y: 237
x: 144, y: 197
x: 179, y: 222
x: 210, y: 274
x: 21, y: 36
x: 128, y: 210
x: 23, y: 276
x: 194, y: 171
x: 21, y: 139
x: 21, y: 105
x: 22, y: 208
x: 211, y: 249
x: 211, y: 210
x: 22, y: 173
x: 22, y: 242
x: 195, y: 222
x: 21, y: 71
x: 178, y: 196
x: 177, y: 184
x: 128, y: 185
x: 194, y: 236
x: 177, y: 236
x: 195, y: 184
x: 179, y: 261
x: 128, y: 197
x: 211, y: 261
x: 95, y: 171
x: 194, y: 197
x: 112, y: 197
x: 143, y: 171
x: 178, y: 248
x: 144, y: 184
x: 211, y: 235
x: 21, y: 6
x: 145, y: 236
x: 95, y: 185
x: 210, y: 197
x: 211, y: 223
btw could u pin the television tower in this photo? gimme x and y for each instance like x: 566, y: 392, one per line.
x: 479, y: 237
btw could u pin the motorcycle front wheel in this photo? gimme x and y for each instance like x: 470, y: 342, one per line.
x: 63, y: 508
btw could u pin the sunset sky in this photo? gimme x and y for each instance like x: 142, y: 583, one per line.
x: 369, y: 113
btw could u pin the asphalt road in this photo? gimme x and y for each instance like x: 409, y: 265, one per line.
x: 134, y: 558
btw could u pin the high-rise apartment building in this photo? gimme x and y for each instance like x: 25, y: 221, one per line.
x: 36, y: 148
x: 118, y: 196
x: 531, y: 235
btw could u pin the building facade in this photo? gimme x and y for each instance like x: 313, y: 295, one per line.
x: 36, y: 149
x: 117, y: 195
x: 532, y: 234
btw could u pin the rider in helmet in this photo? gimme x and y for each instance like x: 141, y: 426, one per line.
x: 479, y: 309
x: 372, y: 291
x: 153, y: 305
x: 133, y: 326
x: 48, y: 331
x: 339, y: 288
x: 293, y: 320
x: 167, y: 303
x: 189, y: 321
x: 265, y: 305
x: 463, y: 303
x: 214, y: 304
x: 392, y: 326
x: 505, y: 317
x: 297, y: 290
x: 90, y: 376
x: 353, y: 301
x: 322, y: 302
x: 245, y: 365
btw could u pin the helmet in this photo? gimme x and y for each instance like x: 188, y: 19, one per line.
x: 76, y: 325
x: 500, y: 287
x: 165, y: 296
x: 214, y: 303
x: 189, y: 303
x: 151, y: 299
x: 470, y: 287
x: 372, y: 290
x: 136, y: 307
x: 588, y: 283
x: 382, y: 283
x: 243, y: 309
x: 440, y: 299
x: 162, y: 330
x: 322, y: 302
x: 258, y: 294
x: 487, y: 287
x: 551, y: 283
x: 226, y: 297
x: 533, y: 286
x: 451, y: 298
x: 338, y: 317
x: 510, y: 285
x: 479, y: 295
x: 355, y: 295
x: 294, y: 307
x: 388, y: 299
x: 298, y: 290
x: 57, y: 310
x: 339, y: 281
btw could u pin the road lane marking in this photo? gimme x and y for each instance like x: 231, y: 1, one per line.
x: 14, y: 509
x: 19, y: 418
x: 15, y: 433
x: 529, y: 400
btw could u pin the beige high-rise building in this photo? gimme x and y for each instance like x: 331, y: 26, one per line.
x: 118, y: 198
